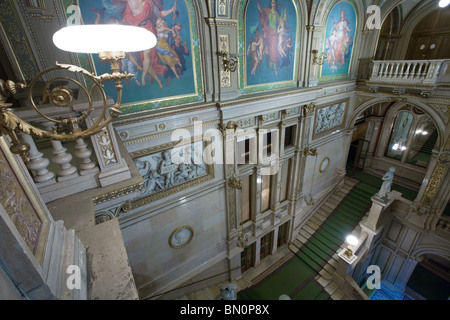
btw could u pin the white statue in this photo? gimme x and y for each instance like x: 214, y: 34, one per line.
x: 387, y: 182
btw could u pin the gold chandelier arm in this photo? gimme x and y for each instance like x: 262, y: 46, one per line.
x: 61, y: 96
x: 11, y: 122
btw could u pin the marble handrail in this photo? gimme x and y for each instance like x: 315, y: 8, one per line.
x: 415, y: 72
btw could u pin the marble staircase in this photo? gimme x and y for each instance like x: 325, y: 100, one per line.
x: 325, y: 276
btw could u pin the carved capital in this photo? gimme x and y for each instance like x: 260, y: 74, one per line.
x: 309, y: 109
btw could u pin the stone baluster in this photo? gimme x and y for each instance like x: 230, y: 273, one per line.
x: 421, y: 74
x: 38, y: 164
x: 406, y: 74
x: 61, y: 158
x: 84, y: 153
x: 413, y: 73
x: 397, y: 66
x: 401, y: 69
x: 380, y: 74
x: 389, y: 70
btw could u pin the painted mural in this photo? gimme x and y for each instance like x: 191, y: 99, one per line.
x: 168, y: 70
x: 270, y: 41
x: 339, y: 39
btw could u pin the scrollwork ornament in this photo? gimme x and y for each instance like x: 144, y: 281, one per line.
x: 60, y: 96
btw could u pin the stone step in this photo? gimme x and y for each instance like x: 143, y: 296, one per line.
x: 313, y: 225
x: 338, y: 295
x: 305, y: 234
x: 331, y: 288
x: 301, y: 239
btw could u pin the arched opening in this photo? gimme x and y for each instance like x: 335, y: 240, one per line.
x: 430, y: 279
x: 393, y: 134
x: 431, y: 37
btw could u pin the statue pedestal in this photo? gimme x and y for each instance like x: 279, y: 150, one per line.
x: 378, y: 207
x: 342, y: 267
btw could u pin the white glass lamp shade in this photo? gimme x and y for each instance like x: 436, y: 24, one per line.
x: 352, y: 240
x: 444, y: 3
x: 96, y: 38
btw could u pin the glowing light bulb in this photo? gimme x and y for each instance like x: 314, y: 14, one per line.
x: 395, y: 147
x: 444, y: 3
x: 352, y: 240
x: 424, y: 133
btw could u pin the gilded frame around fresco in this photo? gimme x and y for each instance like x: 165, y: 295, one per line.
x: 26, y: 197
x: 338, y: 127
x: 146, y: 199
x: 341, y: 76
x: 242, y: 70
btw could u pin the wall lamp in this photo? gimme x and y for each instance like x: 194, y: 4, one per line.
x: 230, y: 62
x: 110, y: 42
x: 318, y: 60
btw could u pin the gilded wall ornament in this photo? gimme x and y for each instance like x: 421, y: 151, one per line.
x: 309, y: 109
x: 434, y: 184
x: 181, y: 237
x: 235, y: 183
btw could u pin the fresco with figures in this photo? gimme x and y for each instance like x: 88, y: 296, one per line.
x: 339, y: 40
x: 270, y: 41
x: 168, y: 70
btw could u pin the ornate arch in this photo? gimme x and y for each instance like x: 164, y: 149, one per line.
x: 437, y: 250
x: 434, y: 115
x: 411, y: 22
x: 321, y: 7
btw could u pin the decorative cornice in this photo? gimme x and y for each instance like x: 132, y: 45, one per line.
x: 221, y: 22
x: 166, y: 133
x: 117, y: 193
x: 136, y: 117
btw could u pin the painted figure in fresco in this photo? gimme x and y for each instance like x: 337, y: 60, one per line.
x: 144, y: 13
x: 165, y: 52
x: 269, y: 19
x: 182, y: 51
x: 282, y: 35
x: 330, y: 47
x: 339, y: 42
x: 255, y: 50
x: 270, y: 39
x: 288, y: 49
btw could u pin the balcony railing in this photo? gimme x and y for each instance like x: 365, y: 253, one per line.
x: 411, y: 72
x: 63, y: 169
